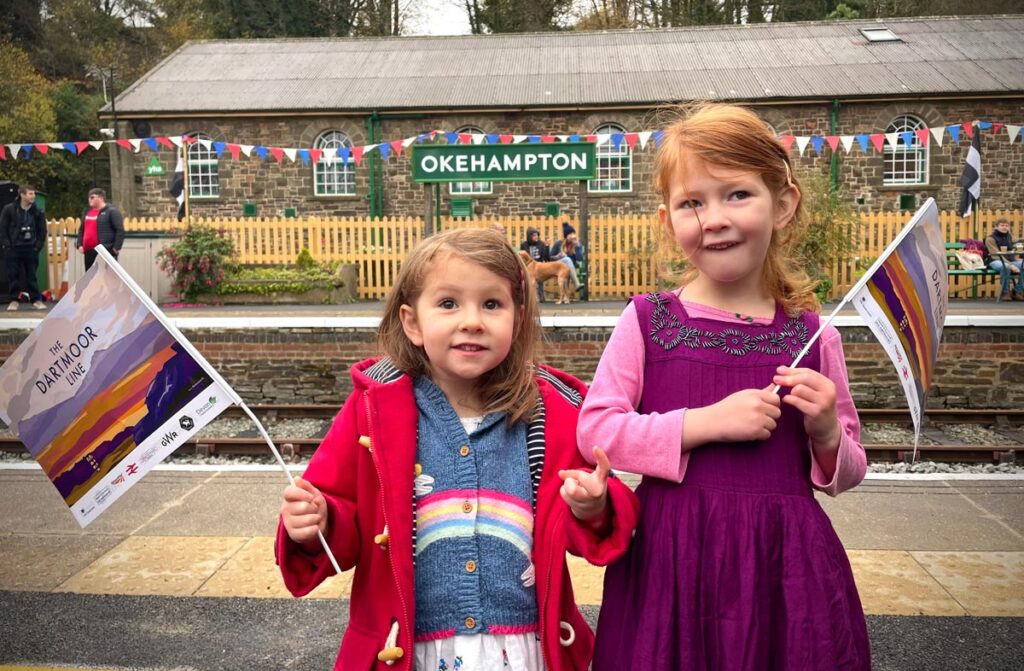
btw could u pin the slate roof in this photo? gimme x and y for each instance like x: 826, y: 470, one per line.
x: 813, y: 60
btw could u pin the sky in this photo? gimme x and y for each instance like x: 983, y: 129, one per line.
x: 439, y: 17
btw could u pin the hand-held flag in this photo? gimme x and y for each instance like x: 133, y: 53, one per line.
x: 903, y: 299
x: 106, y: 387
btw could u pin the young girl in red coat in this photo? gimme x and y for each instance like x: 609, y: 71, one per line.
x: 452, y: 483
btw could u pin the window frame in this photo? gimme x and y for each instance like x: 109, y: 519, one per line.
x: 608, y: 159
x: 343, y: 172
x: 203, y: 164
x: 471, y: 188
x: 917, y: 155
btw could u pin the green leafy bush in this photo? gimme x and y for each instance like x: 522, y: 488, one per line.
x: 199, y: 261
x: 304, y: 261
x: 831, y: 229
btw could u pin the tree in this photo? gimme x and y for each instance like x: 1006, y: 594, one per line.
x: 516, y: 16
x: 28, y: 115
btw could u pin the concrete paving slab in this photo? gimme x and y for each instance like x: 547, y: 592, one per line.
x: 49, y: 513
x: 985, y: 583
x: 27, y: 562
x: 251, y: 572
x: 892, y: 583
x: 157, y: 565
x: 941, y: 520
x: 587, y: 581
x: 1006, y: 506
x: 221, y: 509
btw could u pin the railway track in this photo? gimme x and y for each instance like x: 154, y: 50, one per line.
x: 939, y: 443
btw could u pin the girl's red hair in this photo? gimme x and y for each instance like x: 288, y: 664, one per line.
x: 733, y: 137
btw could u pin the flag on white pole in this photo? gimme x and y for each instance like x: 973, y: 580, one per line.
x: 177, y: 187
x: 104, y: 388
x: 970, y: 178
x: 903, y: 299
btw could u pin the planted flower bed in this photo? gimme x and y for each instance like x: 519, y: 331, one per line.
x: 286, y: 284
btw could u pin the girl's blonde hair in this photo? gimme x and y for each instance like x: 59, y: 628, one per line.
x: 734, y: 137
x: 509, y: 387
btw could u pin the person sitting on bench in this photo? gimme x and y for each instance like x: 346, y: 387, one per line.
x: 1000, y: 240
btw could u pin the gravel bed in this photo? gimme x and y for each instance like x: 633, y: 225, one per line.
x: 932, y: 467
x: 891, y: 434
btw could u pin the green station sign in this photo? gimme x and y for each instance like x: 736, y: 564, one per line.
x: 504, y: 162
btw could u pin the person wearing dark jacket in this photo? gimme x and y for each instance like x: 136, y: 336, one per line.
x: 538, y: 251
x: 102, y: 224
x: 569, y: 251
x: 22, y: 236
x: 998, y: 243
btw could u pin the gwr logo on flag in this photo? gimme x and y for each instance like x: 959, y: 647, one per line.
x: 903, y: 299
x: 97, y: 391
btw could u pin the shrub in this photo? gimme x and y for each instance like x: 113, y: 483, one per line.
x: 199, y: 261
x: 304, y: 261
x: 831, y: 229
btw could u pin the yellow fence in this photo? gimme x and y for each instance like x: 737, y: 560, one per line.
x: 621, y: 259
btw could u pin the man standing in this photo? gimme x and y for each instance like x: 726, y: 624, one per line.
x: 22, y: 235
x: 102, y: 224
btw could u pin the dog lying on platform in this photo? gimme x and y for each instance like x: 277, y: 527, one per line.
x: 542, y: 271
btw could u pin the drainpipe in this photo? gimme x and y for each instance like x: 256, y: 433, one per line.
x: 371, y: 164
x: 834, y: 167
x: 372, y: 123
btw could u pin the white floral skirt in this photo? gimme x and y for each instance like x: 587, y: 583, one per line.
x: 481, y: 652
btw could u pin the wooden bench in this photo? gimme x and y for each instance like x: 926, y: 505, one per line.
x: 954, y: 270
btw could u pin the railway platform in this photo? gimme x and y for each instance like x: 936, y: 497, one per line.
x: 594, y: 313
x: 179, y: 574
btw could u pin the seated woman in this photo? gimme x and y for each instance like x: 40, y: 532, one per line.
x: 569, y: 251
x: 1000, y: 240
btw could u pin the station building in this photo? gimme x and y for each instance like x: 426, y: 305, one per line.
x: 820, y: 83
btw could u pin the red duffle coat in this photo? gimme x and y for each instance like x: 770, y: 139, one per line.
x: 370, y: 488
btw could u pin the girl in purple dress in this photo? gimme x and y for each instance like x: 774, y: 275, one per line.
x: 734, y: 564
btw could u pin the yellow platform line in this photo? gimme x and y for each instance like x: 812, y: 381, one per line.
x: 889, y: 582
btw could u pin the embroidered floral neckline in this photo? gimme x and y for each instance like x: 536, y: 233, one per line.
x: 667, y: 331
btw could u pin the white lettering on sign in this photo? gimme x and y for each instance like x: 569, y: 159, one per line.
x: 462, y: 163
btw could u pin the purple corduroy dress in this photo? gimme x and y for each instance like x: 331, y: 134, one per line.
x: 737, y: 567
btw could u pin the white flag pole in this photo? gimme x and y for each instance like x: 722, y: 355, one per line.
x: 207, y: 368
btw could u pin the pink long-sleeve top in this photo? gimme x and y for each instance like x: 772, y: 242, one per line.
x: 651, y: 444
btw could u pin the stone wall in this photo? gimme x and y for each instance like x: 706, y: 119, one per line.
x: 979, y: 367
x: 273, y: 187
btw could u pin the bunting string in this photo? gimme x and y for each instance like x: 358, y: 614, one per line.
x: 820, y: 144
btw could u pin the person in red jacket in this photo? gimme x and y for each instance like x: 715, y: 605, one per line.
x: 452, y: 483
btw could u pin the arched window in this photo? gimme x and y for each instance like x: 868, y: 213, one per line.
x: 470, y: 188
x: 203, y: 172
x: 333, y: 176
x: 614, y: 164
x: 905, y: 163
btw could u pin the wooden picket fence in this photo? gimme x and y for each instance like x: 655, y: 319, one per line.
x: 621, y: 259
